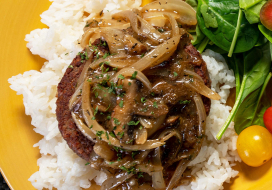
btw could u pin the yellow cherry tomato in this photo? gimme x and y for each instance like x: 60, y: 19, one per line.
x: 254, y: 145
x: 145, y: 2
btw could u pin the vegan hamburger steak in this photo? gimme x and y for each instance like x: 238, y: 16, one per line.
x: 133, y: 103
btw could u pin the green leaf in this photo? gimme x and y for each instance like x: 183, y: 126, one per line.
x: 198, y: 36
x: 245, y: 4
x: 267, y: 33
x: 193, y: 3
x: 226, y: 15
x: 252, y: 109
x: 257, y: 63
x: 256, y: 68
x: 253, y: 13
x: 209, y: 16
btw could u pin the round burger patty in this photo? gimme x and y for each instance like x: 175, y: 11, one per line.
x: 80, y: 144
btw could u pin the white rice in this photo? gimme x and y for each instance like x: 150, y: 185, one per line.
x: 59, y: 167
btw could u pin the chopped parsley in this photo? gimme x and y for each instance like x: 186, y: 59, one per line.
x: 128, y: 142
x: 161, y: 30
x: 108, y: 117
x: 99, y: 134
x: 106, y: 55
x: 95, y: 110
x: 152, y: 94
x: 129, y: 170
x: 116, y: 121
x: 121, y: 104
x: 121, y: 76
x: 112, y: 134
x: 70, y: 66
x: 83, y: 56
x: 155, y: 104
x: 107, y: 135
x: 141, y: 127
x: 89, y: 80
x: 142, y: 55
x: 133, y: 123
x: 185, y: 101
x: 175, y: 74
x: 140, y: 174
x: 133, y: 154
x: 91, y: 126
x: 129, y: 83
x: 87, y: 163
x: 134, y: 75
x: 143, y: 100
x: 120, y: 134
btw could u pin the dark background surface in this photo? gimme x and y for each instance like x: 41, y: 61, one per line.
x: 3, y: 184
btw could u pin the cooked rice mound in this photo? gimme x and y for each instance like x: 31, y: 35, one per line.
x: 59, y: 166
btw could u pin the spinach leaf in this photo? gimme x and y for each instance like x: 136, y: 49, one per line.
x: 252, y: 109
x: 261, y: 40
x: 225, y: 12
x: 193, y: 3
x: 201, y: 47
x: 198, y: 36
x: 256, y: 66
x: 267, y: 33
x: 245, y: 4
x: 253, y: 13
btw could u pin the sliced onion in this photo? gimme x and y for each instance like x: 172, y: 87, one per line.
x: 201, y: 114
x: 114, y: 38
x: 150, y: 15
x: 74, y: 99
x: 129, y: 72
x: 128, y: 15
x: 200, y: 87
x: 173, y: 22
x: 186, y: 12
x: 192, y: 73
x: 162, y: 53
x: 85, y: 40
x: 157, y: 177
x: 177, y: 174
x: 120, y: 61
x: 113, y: 182
x: 149, y: 31
x: 104, y: 150
x: 106, y: 23
x: 82, y: 127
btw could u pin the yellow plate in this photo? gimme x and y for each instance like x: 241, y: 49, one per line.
x: 18, y: 158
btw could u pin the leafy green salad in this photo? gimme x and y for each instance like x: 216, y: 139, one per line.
x: 233, y: 29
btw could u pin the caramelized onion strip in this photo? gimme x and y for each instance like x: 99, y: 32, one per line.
x: 200, y: 87
x: 75, y: 97
x: 113, y: 182
x: 157, y: 176
x: 127, y: 72
x: 120, y: 60
x: 173, y: 22
x: 177, y: 174
x: 187, y: 15
x: 81, y: 126
x: 162, y: 52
